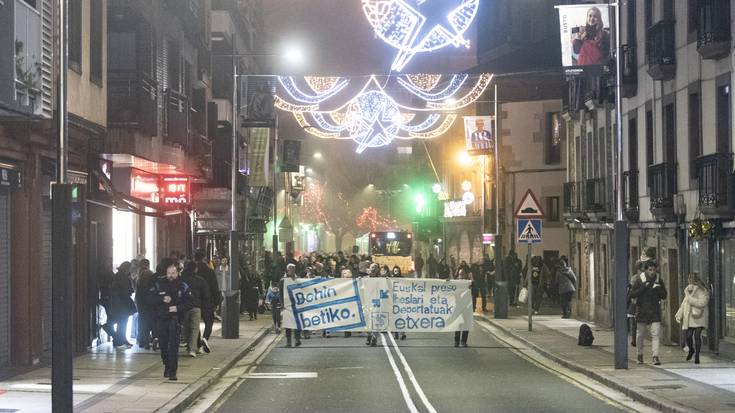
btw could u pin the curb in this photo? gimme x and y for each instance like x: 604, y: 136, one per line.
x: 193, y: 391
x: 631, y: 391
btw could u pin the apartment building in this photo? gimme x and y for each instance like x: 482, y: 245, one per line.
x: 677, y: 126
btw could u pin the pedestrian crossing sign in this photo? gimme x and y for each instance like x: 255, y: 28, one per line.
x: 529, y: 231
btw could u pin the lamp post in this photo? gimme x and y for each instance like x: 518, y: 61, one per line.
x: 231, y: 311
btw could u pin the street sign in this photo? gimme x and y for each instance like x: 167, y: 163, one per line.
x: 529, y: 231
x: 529, y: 207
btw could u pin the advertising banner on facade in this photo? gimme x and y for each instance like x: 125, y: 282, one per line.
x: 378, y: 304
x: 585, y: 38
x: 259, y: 157
x: 479, y: 135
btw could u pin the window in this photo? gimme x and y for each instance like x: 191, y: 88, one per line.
x: 173, y: 65
x: 96, y: 35
x: 600, y: 147
x: 648, y: 14
x: 695, y: 134
x: 723, y: 116
x: 649, y: 137
x: 668, y: 10
x: 669, y: 132
x: 552, y: 209
x: 631, y: 23
x: 75, y: 35
x: 632, y: 144
x: 692, y: 16
x: 554, y: 133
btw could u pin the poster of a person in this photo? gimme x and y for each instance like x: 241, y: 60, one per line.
x: 585, y: 35
x: 479, y: 138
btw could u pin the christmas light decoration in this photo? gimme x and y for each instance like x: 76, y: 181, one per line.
x: 418, y: 26
x: 371, y: 116
x: 370, y: 220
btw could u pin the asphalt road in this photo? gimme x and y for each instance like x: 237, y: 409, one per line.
x: 344, y: 375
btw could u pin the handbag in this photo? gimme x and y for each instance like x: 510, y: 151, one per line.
x: 523, y: 295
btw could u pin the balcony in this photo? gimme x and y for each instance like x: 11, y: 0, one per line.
x: 573, y: 200
x: 595, y: 202
x: 661, y: 50
x: 132, y: 102
x: 20, y: 60
x: 662, y: 185
x: 177, y: 118
x: 713, y: 33
x: 573, y: 98
x: 191, y: 16
x: 630, y: 193
x: 630, y: 71
x: 716, y: 186
x: 598, y: 92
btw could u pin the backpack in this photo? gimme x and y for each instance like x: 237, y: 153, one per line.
x: 585, y: 336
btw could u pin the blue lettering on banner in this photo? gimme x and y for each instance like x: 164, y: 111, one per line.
x: 315, y: 305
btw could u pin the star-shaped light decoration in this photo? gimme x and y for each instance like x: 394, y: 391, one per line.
x: 417, y: 26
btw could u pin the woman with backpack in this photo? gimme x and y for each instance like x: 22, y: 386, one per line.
x: 693, y: 314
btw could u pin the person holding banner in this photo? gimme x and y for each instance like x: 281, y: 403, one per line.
x: 461, y: 336
x: 396, y: 273
x: 290, y: 273
x: 372, y: 336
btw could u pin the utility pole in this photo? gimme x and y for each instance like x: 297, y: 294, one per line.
x: 62, y: 281
x: 621, y: 226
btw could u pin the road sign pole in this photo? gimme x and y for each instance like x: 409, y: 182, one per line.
x: 529, y: 286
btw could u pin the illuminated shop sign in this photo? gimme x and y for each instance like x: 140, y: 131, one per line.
x: 165, y: 189
x: 455, y: 209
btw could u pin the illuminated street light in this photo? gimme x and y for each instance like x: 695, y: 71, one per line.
x: 294, y: 54
x: 468, y: 198
x: 466, y: 185
x: 436, y: 188
x: 317, y: 155
x: 464, y: 158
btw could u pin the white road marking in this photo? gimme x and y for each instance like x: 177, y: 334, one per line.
x: 411, y: 377
x: 293, y: 375
x: 401, y: 383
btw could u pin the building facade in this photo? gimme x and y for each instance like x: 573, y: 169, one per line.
x: 677, y: 138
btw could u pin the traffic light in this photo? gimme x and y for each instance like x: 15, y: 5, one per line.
x: 420, y: 201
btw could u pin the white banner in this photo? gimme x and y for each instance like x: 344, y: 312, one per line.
x: 585, y: 38
x: 379, y: 304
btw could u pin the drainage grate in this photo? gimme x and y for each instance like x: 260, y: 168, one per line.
x: 664, y: 387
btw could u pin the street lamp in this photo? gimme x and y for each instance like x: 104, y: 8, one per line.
x: 231, y: 312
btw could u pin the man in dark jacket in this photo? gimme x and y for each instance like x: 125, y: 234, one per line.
x: 146, y: 317
x: 567, y: 282
x: 512, y: 267
x: 418, y: 264
x: 215, y: 297
x: 171, y: 298
x: 648, y: 289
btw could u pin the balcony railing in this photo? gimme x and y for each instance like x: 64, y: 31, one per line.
x: 713, y: 33
x: 715, y: 180
x: 598, y: 92
x: 630, y: 70
x: 662, y: 183
x: 132, y: 102
x: 177, y: 117
x: 596, y: 199
x: 661, y: 50
x: 630, y: 192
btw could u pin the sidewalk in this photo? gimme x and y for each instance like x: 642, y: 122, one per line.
x: 109, y: 380
x: 675, y: 386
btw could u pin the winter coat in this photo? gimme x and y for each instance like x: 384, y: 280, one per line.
x: 648, y: 295
x: 121, y: 290
x: 566, y: 279
x: 200, y: 294
x: 210, y: 278
x: 179, y: 292
x: 251, y: 294
x: 693, y: 311
x: 142, y: 285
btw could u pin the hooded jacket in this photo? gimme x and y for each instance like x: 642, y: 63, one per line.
x: 566, y: 279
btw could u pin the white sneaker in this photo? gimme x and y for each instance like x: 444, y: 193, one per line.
x: 200, y: 350
x: 192, y: 354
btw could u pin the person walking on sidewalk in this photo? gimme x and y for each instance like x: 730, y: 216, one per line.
x: 290, y: 274
x: 567, y: 281
x: 192, y: 319
x: 146, y: 315
x: 418, y: 264
x: 172, y: 298
x: 512, y: 271
x: 648, y: 290
x: 647, y: 255
x: 121, y: 304
x: 535, y: 278
x: 693, y: 314
x: 215, y: 297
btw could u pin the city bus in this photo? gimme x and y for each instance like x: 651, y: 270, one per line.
x: 392, y: 248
